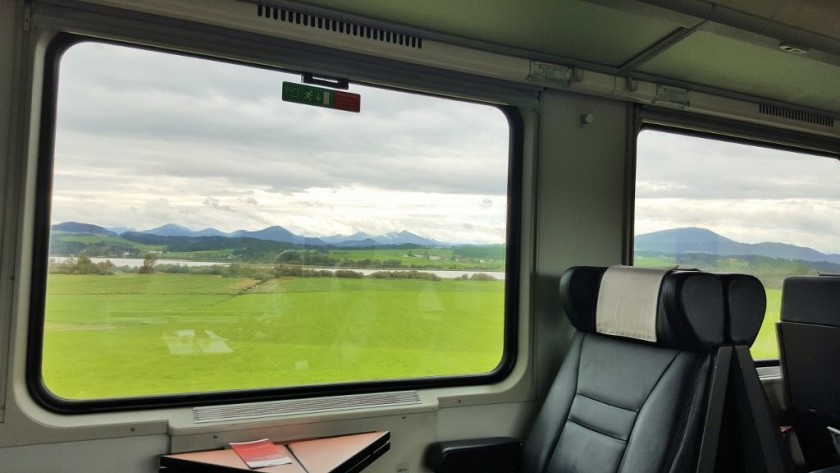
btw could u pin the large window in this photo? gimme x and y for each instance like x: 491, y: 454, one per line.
x: 208, y: 236
x: 729, y: 207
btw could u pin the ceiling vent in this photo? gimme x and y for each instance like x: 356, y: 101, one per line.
x: 339, y: 27
x: 781, y: 112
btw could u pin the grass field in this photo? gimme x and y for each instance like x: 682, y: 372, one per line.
x: 420, y: 258
x: 139, y: 335
x: 766, y: 347
x: 133, y: 335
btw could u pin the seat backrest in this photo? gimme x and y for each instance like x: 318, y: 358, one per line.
x: 809, y: 352
x: 749, y: 437
x: 631, y: 393
x: 746, y: 303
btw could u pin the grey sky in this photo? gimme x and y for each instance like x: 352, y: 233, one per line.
x: 747, y: 193
x: 157, y: 138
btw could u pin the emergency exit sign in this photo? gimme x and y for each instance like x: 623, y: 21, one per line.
x: 319, y: 97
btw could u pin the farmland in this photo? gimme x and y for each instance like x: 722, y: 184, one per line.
x: 252, y: 250
x: 134, y: 334
x: 765, y: 346
x: 252, y: 322
x: 140, y: 335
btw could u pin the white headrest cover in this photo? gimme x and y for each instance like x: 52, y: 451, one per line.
x: 627, y: 302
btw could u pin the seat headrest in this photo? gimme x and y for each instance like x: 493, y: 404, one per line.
x: 746, y: 303
x: 811, y: 300
x: 685, y: 312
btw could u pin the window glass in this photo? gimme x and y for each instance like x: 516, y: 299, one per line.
x: 729, y: 207
x: 208, y: 236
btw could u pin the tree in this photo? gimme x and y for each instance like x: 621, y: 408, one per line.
x: 149, y: 260
x: 84, y: 265
x: 288, y: 256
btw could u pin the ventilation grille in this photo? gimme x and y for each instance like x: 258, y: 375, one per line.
x: 302, y: 406
x: 789, y: 114
x: 337, y: 26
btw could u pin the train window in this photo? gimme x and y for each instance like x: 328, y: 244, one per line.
x: 734, y: 207
x: 207, y: 236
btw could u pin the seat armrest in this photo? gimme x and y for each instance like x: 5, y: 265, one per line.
x: 487, y: 455
x: 833, y: 469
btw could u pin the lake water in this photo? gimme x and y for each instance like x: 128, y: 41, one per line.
x: 137, y: 262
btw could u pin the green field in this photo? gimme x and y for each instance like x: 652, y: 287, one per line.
x: 131, y: 335
x: 766, y: 347
x: 138, y: 335
x: 437, y: 258
x: 247, y: 250
x: 208, y: 255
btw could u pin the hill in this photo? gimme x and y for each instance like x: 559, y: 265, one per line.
x: 170, y: 229
x: 699, y: 241
x: 280, y: 234
x: 81, y: 228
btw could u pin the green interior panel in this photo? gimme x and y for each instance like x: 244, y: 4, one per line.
x: 568, y: 29
x: 716, y: 61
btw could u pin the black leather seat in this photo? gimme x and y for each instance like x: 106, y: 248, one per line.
x: 749, y: 440
x: 809, y: 349
x: 620, y: 403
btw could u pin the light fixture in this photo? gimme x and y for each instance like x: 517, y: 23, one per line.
x: 793, y: 48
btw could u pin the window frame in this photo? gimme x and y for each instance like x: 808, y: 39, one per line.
x: 40, y: 259
x: 719, y: 129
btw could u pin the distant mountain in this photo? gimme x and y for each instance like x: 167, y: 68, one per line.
x: 700, y: 240
x: 76, y: 227
x: 366, y: 243
x: 273, y: 233
x: 403, y: 237
x: 119, y: 230
x: 278, y: 233
x: 311, y: 241
x: 362, y: 239
x: 211, y: 232
x: 687, y: 240
x: 791, y: 252
x: 170, y: 229
x: 342, y: 239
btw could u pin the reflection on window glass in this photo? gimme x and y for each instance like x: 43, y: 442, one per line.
x: 208, y: 236
x: 726, y: 207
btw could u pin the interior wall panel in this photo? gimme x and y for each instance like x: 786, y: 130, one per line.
x: 580, y: 207
x: 125, y: 455
x: 10, y: 19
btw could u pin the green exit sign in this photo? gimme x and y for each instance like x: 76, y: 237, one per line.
x: 320, y: 97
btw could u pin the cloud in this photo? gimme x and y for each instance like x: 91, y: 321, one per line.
x: 160, y: 138
x: 399, y: 140
x: 801, y: 222
x: 678, y: 166
x: 748, y: 193
x: 249, y: 200
x: 216, y: 204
